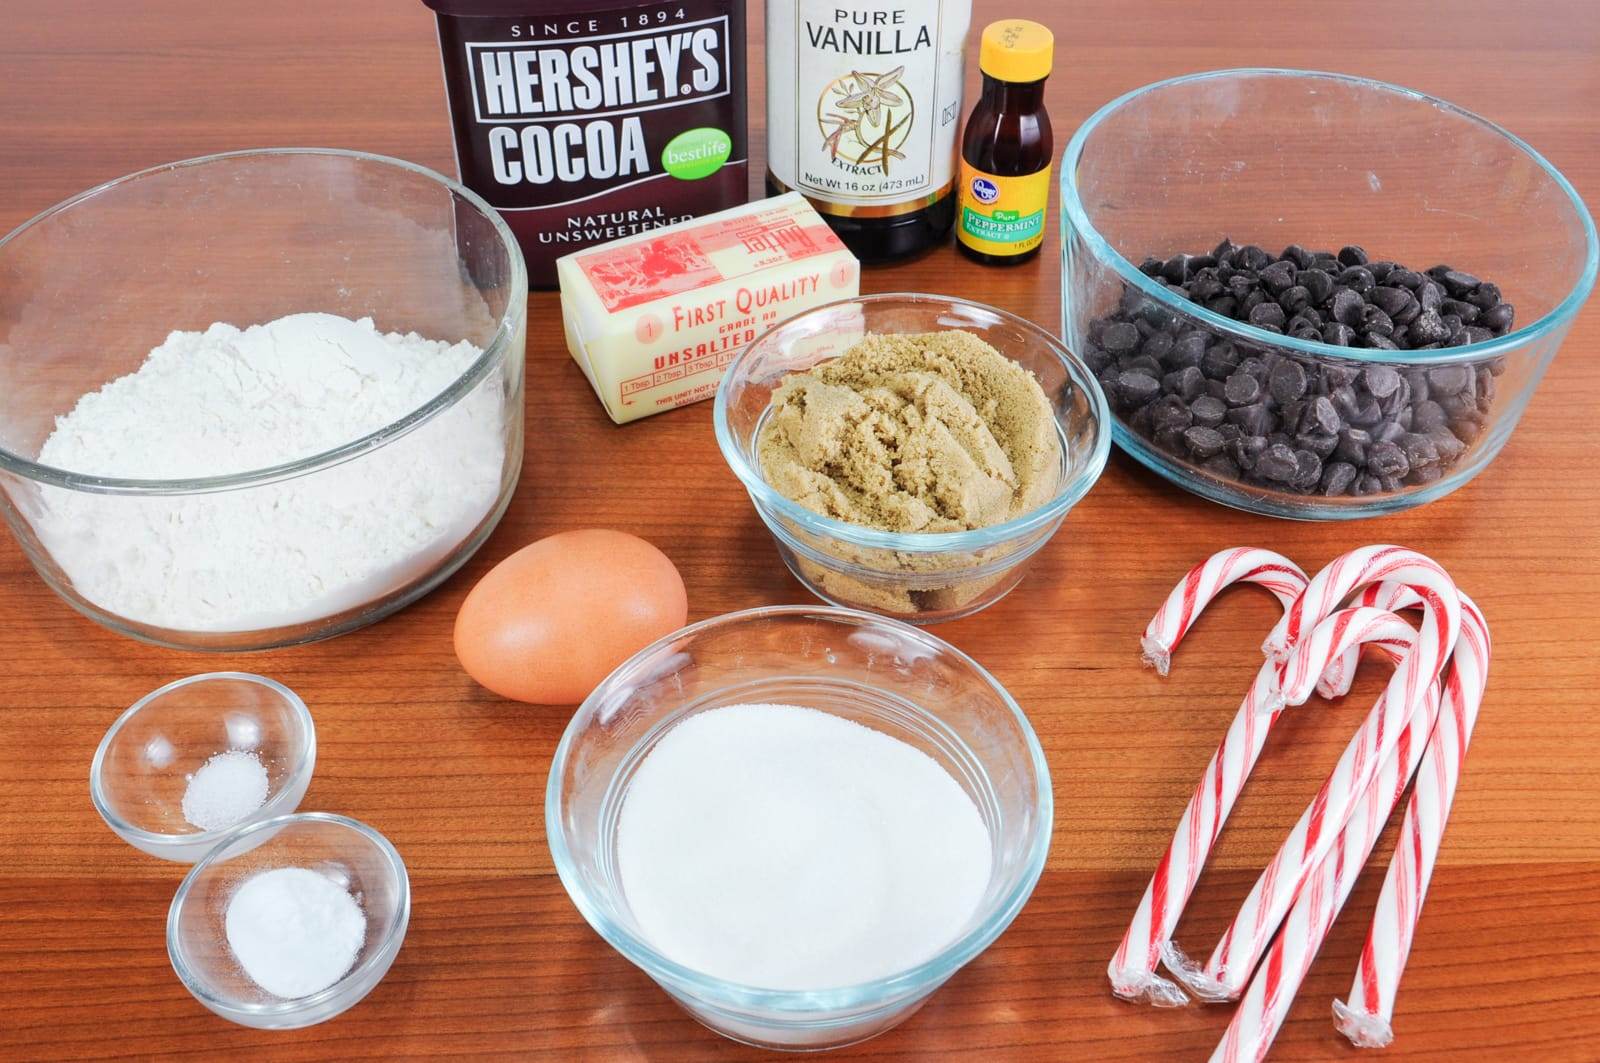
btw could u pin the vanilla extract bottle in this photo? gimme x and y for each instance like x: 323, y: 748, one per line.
x: 863, y: 108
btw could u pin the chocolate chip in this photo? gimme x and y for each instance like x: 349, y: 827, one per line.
x: 1308, y: 469
x: 1298, y: 255
x: 1375, y: 322
x: 1221, y: 465
x: 1220, y: 362
x: 1295, y: 299
x: 1170, y: 414
x: 1287, y: 381
x: 1450, y: 379
x: 1322, y: 444
x: 1278, y: 277
x: 1120, y: 338
x: 1420, y: 451
x: 1242, y: 389
x: 1268, y: 315
x: 1498, y: 318
x: 1157, y: 345
x: 1337, y: 477
x: 1277, y: 463
x: 1346, y: 307
x: 1429, y: 327
x: 1430, y: 295
x: 1338, y: 334
x: 1135, y: 389
x: 1456, y: 282
x: 1387, y: 459
x: 1352, y: 446
x: 1401, y: 277
x: 1321, y: 415
x: 1186, y: 383
x: 1390, y: 300
x: 1425, y: 415
x: 1246, y: 449
x: 1317, y: 283
x: 1203, y: 442
x: 1484, y: 296
x: 1208, y: 411
x: 1356, y: 278
x: 1353, y: 255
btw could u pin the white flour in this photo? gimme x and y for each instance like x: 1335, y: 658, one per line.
x: 788, y: 848
x: 229, y: 401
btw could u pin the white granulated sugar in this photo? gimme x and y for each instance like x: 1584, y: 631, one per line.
x: 787, y: 848
x: 228, y: 401
x: 295, y: 932
x: 225, y: 790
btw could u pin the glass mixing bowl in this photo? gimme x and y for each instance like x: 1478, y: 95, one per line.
x: 90, y: 287
x: 1281, y: 157
x: 918, y: 578
x: 880, y: 673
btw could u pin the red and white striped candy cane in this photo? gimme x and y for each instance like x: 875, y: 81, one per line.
x: 1224, y: 975
x: 1242, y: 564
x: 1133, y: 969
x: 1367, y: 1020
x: 1260, y: 1015
x: 1357, y: 569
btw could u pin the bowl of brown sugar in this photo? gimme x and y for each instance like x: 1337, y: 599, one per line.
x: 911, y: 453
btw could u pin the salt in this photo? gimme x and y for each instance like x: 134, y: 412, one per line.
x: 787, y: 848
x: 294, y: 931
x: 225, y: 790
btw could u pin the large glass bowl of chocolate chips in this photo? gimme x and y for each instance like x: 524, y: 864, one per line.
x: 1312, y: 295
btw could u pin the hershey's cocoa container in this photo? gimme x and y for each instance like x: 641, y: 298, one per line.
x: 584, y: 121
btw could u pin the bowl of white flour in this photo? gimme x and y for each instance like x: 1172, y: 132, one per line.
x: 260, y: 398
x: 799, y: 821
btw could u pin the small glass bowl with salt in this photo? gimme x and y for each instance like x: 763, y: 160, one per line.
x: 189, y: 762
x: 290, y: 921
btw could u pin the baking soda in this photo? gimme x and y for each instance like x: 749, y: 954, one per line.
x: 294, y: 932
x: 225, y: 790
x: 787, y: 848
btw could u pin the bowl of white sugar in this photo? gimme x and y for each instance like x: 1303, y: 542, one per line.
x: 187, y: 763
x: 290, y: 921
x: 798, y: 821
x: 260, y: 398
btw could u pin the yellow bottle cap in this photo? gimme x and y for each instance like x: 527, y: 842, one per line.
x: 1015, y: 49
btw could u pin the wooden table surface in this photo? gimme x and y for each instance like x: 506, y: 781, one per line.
x: 497, y: 959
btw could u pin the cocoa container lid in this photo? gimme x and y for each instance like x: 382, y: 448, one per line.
x: 516, y: 8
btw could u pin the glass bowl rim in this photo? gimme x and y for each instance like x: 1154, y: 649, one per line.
x: 493, y: 352
x: 1068, y: 494
x: 303, y: 765
x: 383, y: 953
x: 793, y: 1004
x: 1558, y: 317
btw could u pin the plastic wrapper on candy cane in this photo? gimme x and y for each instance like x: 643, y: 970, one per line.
x: 1132, y: 970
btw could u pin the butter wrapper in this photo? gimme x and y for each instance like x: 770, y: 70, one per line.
x: 654, y: 319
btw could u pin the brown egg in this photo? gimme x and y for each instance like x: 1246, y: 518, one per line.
x: 551, y: 621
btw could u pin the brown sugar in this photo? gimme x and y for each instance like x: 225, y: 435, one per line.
x: 925, y: 432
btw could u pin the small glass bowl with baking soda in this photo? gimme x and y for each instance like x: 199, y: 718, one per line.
x: 918, y: 577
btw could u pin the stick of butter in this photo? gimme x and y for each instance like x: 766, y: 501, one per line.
x: 653, y: 319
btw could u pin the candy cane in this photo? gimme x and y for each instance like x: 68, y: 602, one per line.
x: 1133, y: 969
x: 1358, y: 568
x: 1204, y: 582
x: 1367, y: 1020
x: 1260, y: 1015
x: 1242, y: 946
